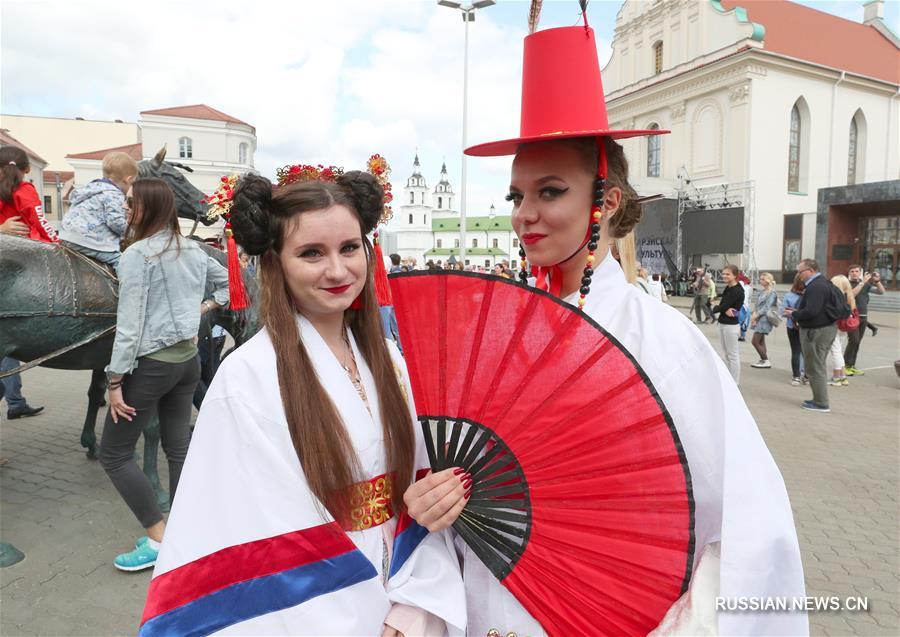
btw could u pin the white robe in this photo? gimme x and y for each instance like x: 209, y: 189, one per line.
x: 242, y: 483
x: 742, y: 508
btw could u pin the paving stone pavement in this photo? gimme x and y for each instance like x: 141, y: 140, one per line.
x: 841, y: 470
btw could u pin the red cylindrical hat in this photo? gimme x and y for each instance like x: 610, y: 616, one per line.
x: 562, y: 93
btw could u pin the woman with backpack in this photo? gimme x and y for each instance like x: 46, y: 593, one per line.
x: 839, y: 377
x: 764, y: 319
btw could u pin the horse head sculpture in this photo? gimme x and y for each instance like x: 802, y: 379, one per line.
x: 189, y: 200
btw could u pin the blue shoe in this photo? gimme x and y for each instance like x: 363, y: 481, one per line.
x: 139, y: 559
x: 814, y: 406
x: 141, y: 542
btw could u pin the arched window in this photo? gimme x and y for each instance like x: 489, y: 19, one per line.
x: 242, y: 153
x: 440, y: 202
x: 423, y: 197
x: 412, y: 199
x: 657, y: 58
x: 185, y: 148
x: 856, y: 149
x: 474, y: 243
x: 410, y: 220
x: 456, y: 243
x: 496, y: 243
x: 653, y: 152
x: 425, y: 220
x: 440, y: 243
x: 795, y: 150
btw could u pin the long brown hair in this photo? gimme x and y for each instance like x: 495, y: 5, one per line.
x: 153, y: 209
x: 13, y: 164
x: 261, y: 220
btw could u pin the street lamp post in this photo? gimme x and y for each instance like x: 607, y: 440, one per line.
x: 468, y: 15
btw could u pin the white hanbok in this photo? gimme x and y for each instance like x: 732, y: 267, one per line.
x: 248, y: 550
x: 746, y: 544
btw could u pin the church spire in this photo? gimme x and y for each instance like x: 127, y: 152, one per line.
x: 416, y: 180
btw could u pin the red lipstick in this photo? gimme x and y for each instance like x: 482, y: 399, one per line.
x: 338, y: 290
x: 532, y: 237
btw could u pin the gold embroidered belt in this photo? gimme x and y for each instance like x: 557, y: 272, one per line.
x: 370, y: 502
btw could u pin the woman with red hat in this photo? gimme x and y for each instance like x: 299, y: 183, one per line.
x: 571, y: 198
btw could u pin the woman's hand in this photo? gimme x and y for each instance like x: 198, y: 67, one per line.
x: 14, y: 226
x: 436, y: 500
x: 117, y: 406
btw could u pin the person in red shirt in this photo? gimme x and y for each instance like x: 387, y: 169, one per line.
x: 21, y: 210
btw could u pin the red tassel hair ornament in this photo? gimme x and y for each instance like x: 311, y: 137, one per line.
x: 382, y: 288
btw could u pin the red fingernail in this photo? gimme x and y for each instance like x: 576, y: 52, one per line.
x: 458, y: 471
x: 467, y: 483
x: 468, y: 494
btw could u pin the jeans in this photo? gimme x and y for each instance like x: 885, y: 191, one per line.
x: 389, y: 324
x: 815, y: 343
x: 730, y: 352
x: 796, y: 353
x: 12, y: 385
x: 109, y: 258
x: 744, y: 321
x: 854, y: 339
x: 153, y: 388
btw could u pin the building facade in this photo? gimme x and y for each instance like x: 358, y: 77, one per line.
x: 211, y: 143
x: 766, y: 98
x: 425, y: 227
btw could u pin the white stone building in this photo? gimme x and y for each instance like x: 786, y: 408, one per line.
x: 425, y: 226
x: 771, y: 98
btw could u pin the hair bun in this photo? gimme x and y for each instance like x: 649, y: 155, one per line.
x: 250, y: 213
x: 367, y: 195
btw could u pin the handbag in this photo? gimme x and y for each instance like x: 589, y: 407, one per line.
x: 850, y: 323
x: 772, y: 314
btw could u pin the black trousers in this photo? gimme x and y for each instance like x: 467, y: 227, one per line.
x: 153, y: 388
x: 796, y: 351
x: 854, y: 338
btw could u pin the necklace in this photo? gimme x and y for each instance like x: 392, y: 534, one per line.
x: 353, y: 374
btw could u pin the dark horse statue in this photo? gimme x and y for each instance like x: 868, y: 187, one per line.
x: 58, y: 307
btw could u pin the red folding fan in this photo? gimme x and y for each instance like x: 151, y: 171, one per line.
x: 581, y: 500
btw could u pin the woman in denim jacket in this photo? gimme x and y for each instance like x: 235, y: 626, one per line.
x: 759, y: 320
x: 154, y: 366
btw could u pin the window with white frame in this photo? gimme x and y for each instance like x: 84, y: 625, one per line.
x: 440, y: 243
x: 658, y: 58
x: 496, y: 243
x: 653, y: 152
x: 242, y: 153
x: 185, y: 148
x: 794, y: 151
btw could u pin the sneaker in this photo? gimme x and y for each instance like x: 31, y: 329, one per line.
x: 141, y: 541
x: 874, y: 329
x: 844, y: 381
x: 742, y: 339
x: 814, y: 406
x: 805, y: 380
x: 852, y: 371
x: 762, y: 364
x: 140, y: 558
x: 835, y: 382
x: 25, y: 412
x: 795, y: 382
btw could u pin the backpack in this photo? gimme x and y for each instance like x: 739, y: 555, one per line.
x: 836, y: 306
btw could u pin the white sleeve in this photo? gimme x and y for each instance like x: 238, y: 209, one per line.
x: 430, y: 577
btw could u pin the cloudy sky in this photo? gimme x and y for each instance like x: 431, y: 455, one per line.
x: 327, y: 81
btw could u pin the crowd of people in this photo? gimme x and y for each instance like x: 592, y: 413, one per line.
x: 824, y: 321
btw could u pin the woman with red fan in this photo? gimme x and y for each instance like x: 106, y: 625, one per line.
x: 289, y: 518
x: 620, y: 483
